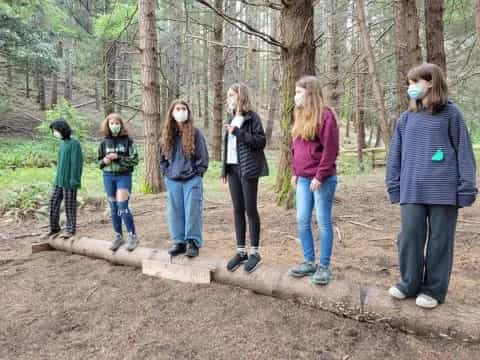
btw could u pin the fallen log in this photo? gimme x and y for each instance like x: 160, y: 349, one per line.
x: 340, y: 297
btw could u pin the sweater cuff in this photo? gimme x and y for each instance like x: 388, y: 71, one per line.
x: 394, y: 196
x: 464, y: 200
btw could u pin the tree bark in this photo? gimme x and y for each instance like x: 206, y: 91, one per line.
x: 218, y: 67
x: 54, y: 99
x: 377, y: 86
x: 109, y: 64
x: 477, y: 20
x: 205, y: 55
x: 297, y: 59
x: 274, y: 88
x: 150, y: 93
x: 434, y: 33
x: 333, y: 57
x: 68, y: 72
x: 407, y: 47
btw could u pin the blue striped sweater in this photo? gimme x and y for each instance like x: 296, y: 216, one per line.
x: 431, y: 160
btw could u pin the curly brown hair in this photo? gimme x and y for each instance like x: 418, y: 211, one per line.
x: 105, y: 129
x: 170, y: 129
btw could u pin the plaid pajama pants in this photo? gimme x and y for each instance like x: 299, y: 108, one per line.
x: 70, y: 196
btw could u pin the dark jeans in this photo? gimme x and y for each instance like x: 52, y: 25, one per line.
x: 425, y: 248
x: 244, y: 197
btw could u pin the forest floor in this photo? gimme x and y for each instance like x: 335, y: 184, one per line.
x: 65, y: 306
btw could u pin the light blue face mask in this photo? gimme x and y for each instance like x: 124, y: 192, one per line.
x: 416, y: 92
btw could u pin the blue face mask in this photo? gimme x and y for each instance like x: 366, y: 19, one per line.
x: 416, y: 92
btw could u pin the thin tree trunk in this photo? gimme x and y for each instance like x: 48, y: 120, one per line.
x: 274, y: 86
x: 41, y: 96
x: 297, y: 60
x: 68, y: 72
x: 54, y: 99
x: 205, y: 55
x: 150, y: 93
x: 378, y: 91
x: 434, y: 33
x: 98, y: 97
x: 110, y: 74
x: 218, y: 67
x: 27, y: 82
x: 477, y: 20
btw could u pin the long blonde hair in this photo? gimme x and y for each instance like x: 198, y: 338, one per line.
x: 244, y: 100
x: 309, y: 116
x: 170, y: 129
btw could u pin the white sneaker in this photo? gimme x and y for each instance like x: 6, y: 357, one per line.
x: 396, y: 293
x: 426, y: 301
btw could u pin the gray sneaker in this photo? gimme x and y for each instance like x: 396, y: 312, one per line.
x: 132, y: 242
x: 321, y: 276
x: 306, y: 268
x: 117, y: 242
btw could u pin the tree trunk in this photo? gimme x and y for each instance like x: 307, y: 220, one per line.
x: 27, y: 82
x: 434, y: 33
x: 41, y: 95
x: 477, y: 20
x: 109, y: 64
x: 343, y: 297
x: 98, y: 98
x: 68, y: 72
x: 407, y: 47
x: 333, y: 57
x: 205, y: 55
x: 274, y: 88
x: 54, y: 99
x: 150, y: 93
x: 218, y: 67
x: 378, y: 91
x: 297, y: 59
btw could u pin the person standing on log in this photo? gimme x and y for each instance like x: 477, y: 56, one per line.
x: 117, y: 157
x: 244, y: 162
x: 67, y: 180
x: 431, y: 172
x: 315, y: 147
x: 183, y: 162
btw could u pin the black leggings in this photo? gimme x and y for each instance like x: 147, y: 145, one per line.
x: 244, y: 197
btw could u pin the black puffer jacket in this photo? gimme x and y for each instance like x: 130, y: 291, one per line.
x: 251, y: 141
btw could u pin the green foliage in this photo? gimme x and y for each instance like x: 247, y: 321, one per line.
x: 75, y: 119
x: 25, y: 201
x: 111, y: 26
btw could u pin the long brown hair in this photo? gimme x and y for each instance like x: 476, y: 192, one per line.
x: 244, y: 100
x: 309, y: 116
x: 105, y: 129
x: 437, y: 97
x: 170, y: 130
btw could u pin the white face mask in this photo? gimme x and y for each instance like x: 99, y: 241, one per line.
x: 180, y: 116
x: 57, y: 134
x: 299, y: 99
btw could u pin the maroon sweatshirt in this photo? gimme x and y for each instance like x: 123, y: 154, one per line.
x: 317, y: 158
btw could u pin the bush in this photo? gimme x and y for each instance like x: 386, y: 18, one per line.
x: 25, y: 202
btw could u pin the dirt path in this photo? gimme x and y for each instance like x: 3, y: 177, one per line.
x: 57, y: 305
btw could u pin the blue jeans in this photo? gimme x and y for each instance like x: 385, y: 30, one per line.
x: 185, y: 210
x: 119, y: 210
x: 322, y: 200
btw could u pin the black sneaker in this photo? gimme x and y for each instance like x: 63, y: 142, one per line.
x: 50, y: 235
x: 177, y: 249
x: 236, y: 261
x: 192, y: 249
x: 253, y: 262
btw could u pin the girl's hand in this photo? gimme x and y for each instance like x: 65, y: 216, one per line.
x: 112, y: 156
x: 315, y: 185
x: 230, y: 128
x: 224, y: 180
x: 293, y: 181
x: 107, y: 160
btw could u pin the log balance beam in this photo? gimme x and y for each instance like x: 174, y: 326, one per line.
x: 356, y: 301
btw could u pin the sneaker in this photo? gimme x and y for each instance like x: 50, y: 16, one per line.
x: 321, y: 276
x: 50, y: 235
x: 253, y: 262
x: 132, y: 242
x: 177, y: 249
x: 234, y: 263
x: 426, y: 302
x: 395, y: 292
x: 117, y: 242
x: 192, y: 249
x: 66, y: 235
x: 306, y: 268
